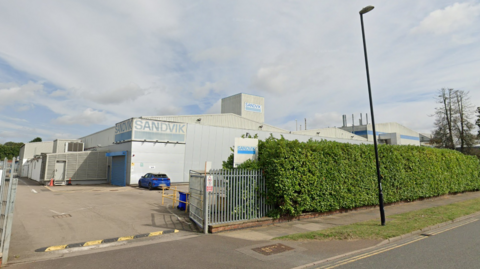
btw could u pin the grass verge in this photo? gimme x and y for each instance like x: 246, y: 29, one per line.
x: 396, y: 224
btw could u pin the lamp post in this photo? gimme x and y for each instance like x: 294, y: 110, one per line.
x: 379, y: 177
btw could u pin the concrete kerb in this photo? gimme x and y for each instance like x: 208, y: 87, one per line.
x: 104, y: 241
x: 390, y: 240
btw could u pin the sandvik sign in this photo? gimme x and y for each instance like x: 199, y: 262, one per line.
x: 150, y: 130
x: 253, y: 107
x: 245, y: 149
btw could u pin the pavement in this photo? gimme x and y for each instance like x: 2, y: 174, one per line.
x: 99, y: 212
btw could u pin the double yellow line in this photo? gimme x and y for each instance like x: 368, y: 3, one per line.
x: 385, y: 249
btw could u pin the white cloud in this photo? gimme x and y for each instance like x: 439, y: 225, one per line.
x: 103, y: 62
x: 166, y: 109
x: 200, y: 92
x: 218, y: 55
x: 216, y: 108
x: 86, y: 118
x: 22, y: 94
x: 128, y: 92
x: 449, y: 19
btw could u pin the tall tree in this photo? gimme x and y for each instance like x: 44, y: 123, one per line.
x: 443, y: 133
x: 36, y: 139
x: 478, y: 122
x: 453, y: 126
x: 463, y: 126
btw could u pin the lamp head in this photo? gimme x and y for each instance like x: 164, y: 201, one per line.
x: 366, y: 9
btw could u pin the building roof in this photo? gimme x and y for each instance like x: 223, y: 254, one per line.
x: 331, y: 132
x: 220, y: 120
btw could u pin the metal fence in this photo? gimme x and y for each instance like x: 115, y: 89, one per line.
x: 234, y: 195
x: 8, y: 190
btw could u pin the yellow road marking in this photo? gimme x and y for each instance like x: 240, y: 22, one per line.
x: 91, y: 243
x: 373, y: 253
x: 125, y: 238
x: 155, y: 233
x: 56, y: 248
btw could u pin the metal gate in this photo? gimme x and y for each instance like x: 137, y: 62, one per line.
x: 196, y: 189
x: 234, y: 195
x: 8, y: 190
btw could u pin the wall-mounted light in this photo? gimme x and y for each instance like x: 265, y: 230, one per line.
x: 261, y: 126
x: 318, y: 133
x: 199, y: 119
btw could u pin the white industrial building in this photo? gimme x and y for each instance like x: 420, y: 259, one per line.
x: 174, y: 145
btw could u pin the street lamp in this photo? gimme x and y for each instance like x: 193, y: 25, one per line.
x: 379, y: 177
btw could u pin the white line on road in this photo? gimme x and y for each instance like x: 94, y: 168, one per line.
x: 34, y: 191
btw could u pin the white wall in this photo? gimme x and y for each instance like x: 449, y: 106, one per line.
x: 150, y: 157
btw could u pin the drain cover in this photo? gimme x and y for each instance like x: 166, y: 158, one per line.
x: 272, y: 249
x: 62, y: 216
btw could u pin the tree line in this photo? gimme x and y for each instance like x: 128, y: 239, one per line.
x: 454, y: 128
x: 10, y: 150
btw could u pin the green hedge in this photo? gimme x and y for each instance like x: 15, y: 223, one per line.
x: 321, y: 176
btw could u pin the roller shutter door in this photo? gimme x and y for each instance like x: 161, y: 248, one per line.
x: 119, y: 171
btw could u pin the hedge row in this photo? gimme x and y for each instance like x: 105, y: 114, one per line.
x: 321, y: 176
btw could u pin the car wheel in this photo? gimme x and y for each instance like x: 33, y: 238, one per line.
x: 150, y: 186
x: 139, y: 185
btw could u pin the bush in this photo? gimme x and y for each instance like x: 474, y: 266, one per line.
x: 322, y: 176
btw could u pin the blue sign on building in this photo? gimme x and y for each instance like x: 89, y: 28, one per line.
x: 253, y: 107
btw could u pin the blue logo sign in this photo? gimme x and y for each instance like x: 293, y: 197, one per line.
x: 245, y: 150
x: 253, y: 107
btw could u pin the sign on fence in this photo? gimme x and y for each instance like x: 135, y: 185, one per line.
x: 209, y: 183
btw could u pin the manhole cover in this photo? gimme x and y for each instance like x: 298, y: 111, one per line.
x: 62, y: 216
x: 272, y: 249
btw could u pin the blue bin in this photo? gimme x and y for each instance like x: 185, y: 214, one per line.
x: 183, y: 198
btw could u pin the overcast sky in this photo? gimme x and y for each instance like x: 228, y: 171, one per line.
x: 72, y: 68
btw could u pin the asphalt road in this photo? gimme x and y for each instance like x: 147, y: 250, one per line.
x: 454, y: 248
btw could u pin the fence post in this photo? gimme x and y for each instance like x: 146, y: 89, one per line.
x: 205, y: 206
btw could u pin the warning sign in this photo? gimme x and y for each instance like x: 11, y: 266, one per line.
x: 209, y: 183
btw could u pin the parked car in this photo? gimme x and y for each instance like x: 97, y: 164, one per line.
x: 152, y: 181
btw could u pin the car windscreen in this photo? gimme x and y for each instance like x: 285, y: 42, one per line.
x: 160, y: 175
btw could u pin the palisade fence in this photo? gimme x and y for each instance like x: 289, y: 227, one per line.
x: 8, y: 190
x: 234, y: 195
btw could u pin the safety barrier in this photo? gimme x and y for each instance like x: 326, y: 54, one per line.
x: 175, y: 197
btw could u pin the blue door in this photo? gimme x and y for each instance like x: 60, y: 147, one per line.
x: 119, y: 171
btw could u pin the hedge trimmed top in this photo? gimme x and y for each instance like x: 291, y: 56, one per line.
x: 322, y: 176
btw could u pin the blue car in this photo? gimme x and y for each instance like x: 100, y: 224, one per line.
x: 152, y: 181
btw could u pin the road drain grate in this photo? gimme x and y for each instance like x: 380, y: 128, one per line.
x: 62, y: 216
x: 272, y: 249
